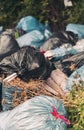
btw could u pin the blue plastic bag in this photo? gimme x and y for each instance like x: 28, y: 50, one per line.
x: 75, y: 78
x: 37, y: 33
x: 30, y: 23
x: 35, y: 114
x: 34, y: 38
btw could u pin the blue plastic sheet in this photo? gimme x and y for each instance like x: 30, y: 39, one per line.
x: 77, y: 29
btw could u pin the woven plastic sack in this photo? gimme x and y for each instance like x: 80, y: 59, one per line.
x: 37, y: 113
x: 77, y: 29
x: 76, y: 77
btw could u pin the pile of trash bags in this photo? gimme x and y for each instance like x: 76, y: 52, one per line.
x: 32, y: 51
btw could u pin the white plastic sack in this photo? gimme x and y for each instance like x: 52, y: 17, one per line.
x: 75, y: 78
x: 35, y: 114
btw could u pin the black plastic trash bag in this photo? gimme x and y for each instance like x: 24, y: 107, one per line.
x: 70, y: 64
x: 8, y: 45
x: 28, y: 63
x: 58, y: 39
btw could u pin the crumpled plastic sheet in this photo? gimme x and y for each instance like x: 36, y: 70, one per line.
x: 8, y: 95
